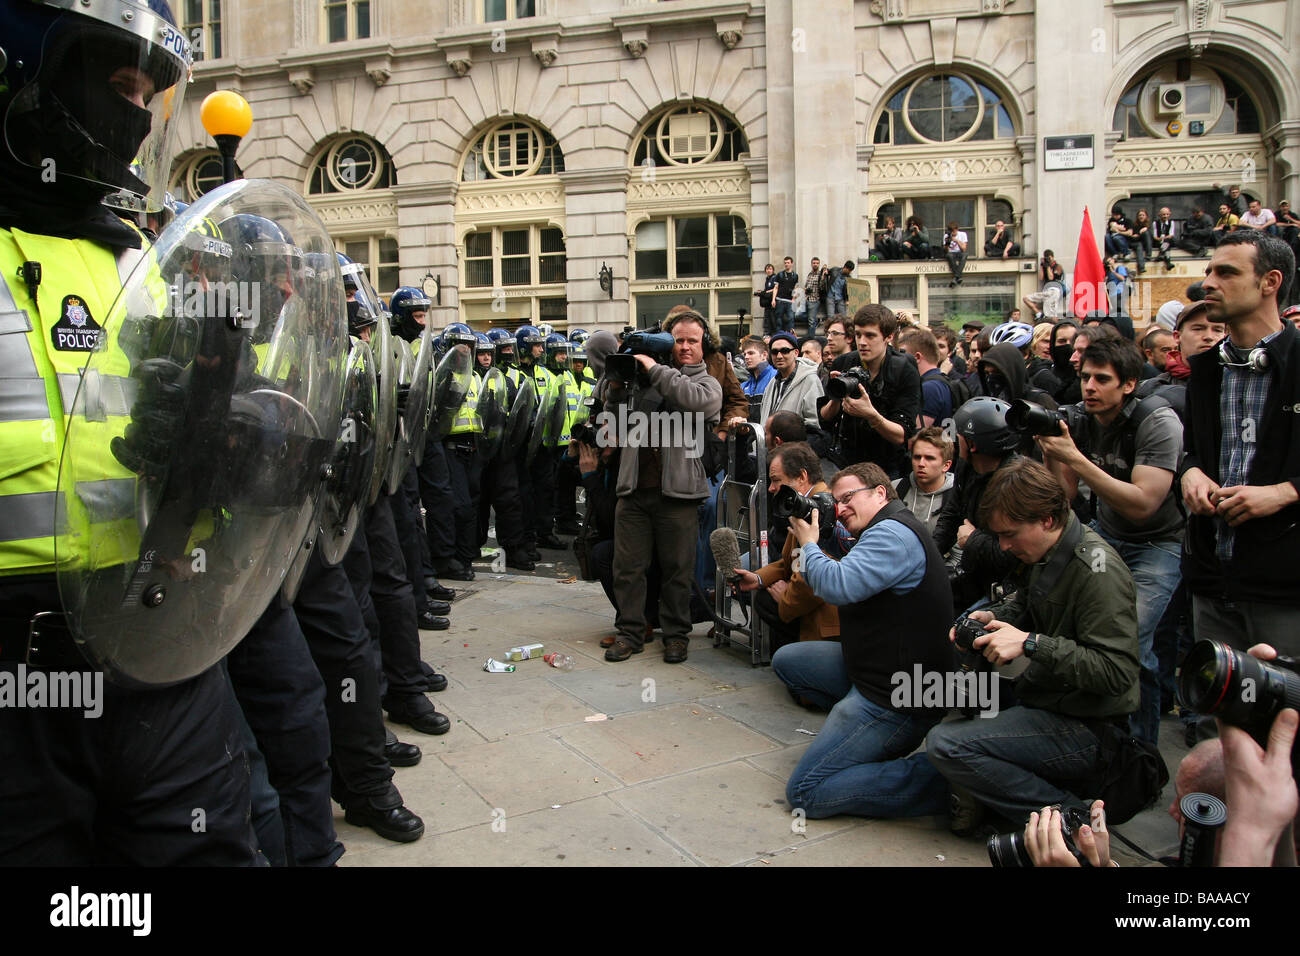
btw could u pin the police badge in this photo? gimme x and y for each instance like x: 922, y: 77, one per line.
x: 76, y: 330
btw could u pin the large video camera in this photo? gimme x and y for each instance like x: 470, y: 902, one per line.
x: 848, y: 384
x: 622, y: 366
x: 1241, y: 690
x: 1029, y: 418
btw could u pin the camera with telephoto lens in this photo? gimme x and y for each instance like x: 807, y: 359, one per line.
x: 1219, y: 681
x: 622, y: 366
x: 1029, y: 418
x: 847, y: 384
x: 584, y: 433
x: 788, y: 503
x: 1008, y: 849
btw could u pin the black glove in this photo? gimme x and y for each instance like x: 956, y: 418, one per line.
x: 157, y: 414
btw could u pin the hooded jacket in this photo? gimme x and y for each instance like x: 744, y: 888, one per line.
x: 926, y: 505
x: 798, y: 394
x: 1010, y: 364
x: 757, y: 381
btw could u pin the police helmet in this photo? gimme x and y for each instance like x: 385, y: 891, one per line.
x: 557, y: 351
x: 113, y: 143
x: 527, y: 336
x: 578, y: 336
x: 359, y: 317
x: 484, y: 343
x: 545, y: 328
x: 406, y: 301
x: 458, y: 333
x: 982, y: 421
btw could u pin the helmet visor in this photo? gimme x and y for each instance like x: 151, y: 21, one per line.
x: 105, y: 102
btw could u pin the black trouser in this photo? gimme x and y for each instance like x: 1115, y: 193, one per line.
x: 464, y: 469
x: 649, y: 525
x: 783, y: 633
x: 331, y: 621
x: 377, y: 573
x: 283, y: 699
x: 567, y: 479
x: 121, y: 788
x: 410, y: 534
x: 1194, y: 240
x: 435, y: 493
x: 537, y: 492
x: 499, y: 492
x: 602, y: 563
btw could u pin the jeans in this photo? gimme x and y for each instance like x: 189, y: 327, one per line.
x: 859, y: 762
x: 1115, y: 246
x: 1156, y: 573
x: 838, y: 307
x: 784, y: 316
x: 1020, y: 761
x: 813, y: 310
x: 956, y: 262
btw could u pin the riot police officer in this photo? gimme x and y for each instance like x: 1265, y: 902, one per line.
x: 535, y: 468
x: 558, y: 363
x: 460, y: 446
x: 498, y: 481
x: 84, y: 91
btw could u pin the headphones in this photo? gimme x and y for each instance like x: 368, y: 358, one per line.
x: 1256, y: 361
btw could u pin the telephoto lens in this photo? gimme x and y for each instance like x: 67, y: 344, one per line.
x: 1241, y: 690
x: 1008, y: 849
x: 848, y: 384
x: 1031, y: 419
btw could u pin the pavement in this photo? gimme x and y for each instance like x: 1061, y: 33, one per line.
x: 640, y: 763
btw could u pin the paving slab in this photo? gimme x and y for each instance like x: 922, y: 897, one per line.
x: 768, y: 708
x: 522, y: 706
x: 592, y: 832
x: 665, y: 741
x: 519, y: 774
x: 884, y: 843
x: 724, y: 815
x: 639, y: 684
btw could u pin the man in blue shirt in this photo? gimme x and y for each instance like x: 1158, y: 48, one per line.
x: 936, y: 396
x: 895, y: 609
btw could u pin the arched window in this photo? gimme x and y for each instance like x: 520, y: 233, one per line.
x: 510, y: 150
x: 1203, y: 103
x: 198, y: 175
x: 688, y: 136
x: 943, y: 108
x: 351, y: 164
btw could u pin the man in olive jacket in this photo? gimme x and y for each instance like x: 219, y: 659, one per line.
x: 1074, y: 617
x: 661, y: 428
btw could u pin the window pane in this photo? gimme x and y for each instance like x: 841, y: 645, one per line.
x: 552, y: 240
x: 651, y: 264
x: 363, y: 19
x: 652, y: 236
x: 478, y: 273
x: 733, y: 250
x: 494, y: 10
x: 898, y: 293
x: 929, y: 123
x: 1199, y: 98
x: 214, y: 40
x: 962, y: 211
x: 388, y: 281
x: 337, y: 17
x: 692, y: 246
x: 525, y: 8
x: 551, y: 268
x: 358, y: 251
x: 986, y: 298
x: 478, y: 244
x: 514, y: 242
x: 930, y: 212
x: 515, y: 271
x: 388, y: 251
x: 552, y: 311
x: 730, y: 301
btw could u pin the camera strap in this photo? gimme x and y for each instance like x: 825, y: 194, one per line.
x: 1040, y: 589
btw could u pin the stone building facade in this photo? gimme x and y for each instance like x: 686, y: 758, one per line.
x: 511, y: 150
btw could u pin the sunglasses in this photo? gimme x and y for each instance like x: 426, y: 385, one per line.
x: 780, y: 351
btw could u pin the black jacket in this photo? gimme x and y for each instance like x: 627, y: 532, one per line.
x: 983, y: 562
x: 896, y: 393
x: 1266, y: 551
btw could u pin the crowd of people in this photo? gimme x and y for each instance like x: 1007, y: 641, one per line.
x: 1048, y: 498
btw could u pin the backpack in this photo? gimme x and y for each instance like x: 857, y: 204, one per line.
x: 959, y: 390
x: 1132, y: 774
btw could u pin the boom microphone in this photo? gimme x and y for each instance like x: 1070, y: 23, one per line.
x: 726, y: 552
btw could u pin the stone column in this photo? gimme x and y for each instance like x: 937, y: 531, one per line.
x: 595, y: 212
x: 426, y: 237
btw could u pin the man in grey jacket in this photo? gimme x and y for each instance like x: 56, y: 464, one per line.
x: 796, y: 386
x: 661, y: 426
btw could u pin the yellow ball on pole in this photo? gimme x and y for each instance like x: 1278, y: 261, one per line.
x: 226, y: 113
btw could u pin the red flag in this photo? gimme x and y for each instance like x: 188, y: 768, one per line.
x: 1089, y: 276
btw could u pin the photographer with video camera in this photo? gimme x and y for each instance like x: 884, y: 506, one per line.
x: 873, y: 397
x: 1073, y: 617
x: 1127, y: 451
x: 786, y: 602
x: 661, y: 486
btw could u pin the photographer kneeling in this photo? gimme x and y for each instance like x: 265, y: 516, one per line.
x: 1074, y: 617
x: 894, y: 609
x: 786, y: 602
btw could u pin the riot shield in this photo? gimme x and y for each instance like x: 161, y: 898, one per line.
x: 386, y: 374
x: 521, y: 417
x: 199, y: 434
x: 451, y: 383
x: 492, y: 412
x: 404, y: 363
x: 420, y: 397
x: 546, y: 403
x: 348, y: 482
x: 555, y: 421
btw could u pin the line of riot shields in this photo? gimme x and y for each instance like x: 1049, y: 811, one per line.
x: 242, y: 429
